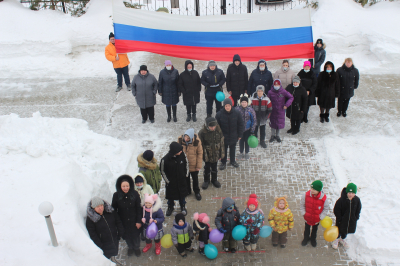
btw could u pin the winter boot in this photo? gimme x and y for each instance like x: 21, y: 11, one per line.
x: 290, y: 130
x: 129, y: 87
x: 169, y: 210
x: 158, y: 248
x: 113, y: 259
x: 335, y: 244
x: 201, y: 251
x: 152, y: 121
x: 174, y: 113
x: 143, y: 121
x: 253, y: 247
x: 130, y: 252
x: 305, y: 240
x: 246, y: 156
x: 278, y: 139
x: 222, y: 166
x: 326, y: 117
x: 235, y: 164
x: 194, y: 117
x: 263, y: 144
x: 189, y: 117
x: 313, y: 242
x: 183, y: 254
x: 338, y: 115
x: 272, y: 139
x: 206, y: 182
x: 118, y: 89
x: 241, y: 156
x: 295, y: 131
x: 183, y: 210
x: 283, y: 245
x: 247, y: 247
x: 137, y: 252
x: 233, y: 250
x: 169, y: 113
x: 147, y: 247
x: 214, y: 180
x: 344, y: 114
x: 198, y: 196
x: 322, y: 118
x: 344, y: 242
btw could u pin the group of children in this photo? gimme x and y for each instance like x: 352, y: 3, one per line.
x: 314, y: 207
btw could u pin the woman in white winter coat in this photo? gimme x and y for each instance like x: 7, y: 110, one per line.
x: 285, y: 74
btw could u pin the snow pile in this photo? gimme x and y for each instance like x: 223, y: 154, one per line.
x: 372, y: 163
x: 61, y: 161
x: 369, y: 35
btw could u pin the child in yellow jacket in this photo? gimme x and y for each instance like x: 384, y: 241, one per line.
x: 281, y: 220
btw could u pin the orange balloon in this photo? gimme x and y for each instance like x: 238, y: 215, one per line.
x: 326, y: 222
x: 331, y: 233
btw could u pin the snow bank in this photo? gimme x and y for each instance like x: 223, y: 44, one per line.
x: 61, y: 161
x: 372, y: 163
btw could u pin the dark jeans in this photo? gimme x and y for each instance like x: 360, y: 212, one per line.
x: 195, y: 178
x: 307, y: 230
x: 262, y: 132
x: 243, y: 141
x: 182, y: 202
x: 182, y: 247
x: 295, y: 124
x: 133, y: 242
x: 210, y: 168
x: 149, y: 111
x: 191, y: 109
x: 210, y: 100
x: 305, y: 116
x: 122, y: 71
x: 232, y: 151
x: 343, y: 104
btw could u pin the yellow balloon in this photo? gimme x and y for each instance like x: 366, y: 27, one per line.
x: 326, y: 222
x: 166, y: 241
x: 331, y: 233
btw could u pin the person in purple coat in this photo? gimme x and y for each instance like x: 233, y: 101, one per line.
x: 281, y: 100
x: 152, y: 213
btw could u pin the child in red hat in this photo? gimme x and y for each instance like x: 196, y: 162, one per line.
x: 253, y: 218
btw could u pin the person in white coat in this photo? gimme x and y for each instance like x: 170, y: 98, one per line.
x: 285, y: 74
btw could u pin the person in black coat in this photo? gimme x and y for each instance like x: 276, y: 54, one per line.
x: 232, y: 126
x: 202, y: 228
x: 126, y: 202
x: 189, y: 85
x: 309, y: 82
x: 168, y: 88
x: 327, y: 89
x: 347, y: 211
x: 213, y: 79
x: 104, y: 227
x: 260, y: 76
x: 319, y: 56
x: 174, y: 168
x: 348, y: 78
x: 236, y: 79
x: 298, y: 107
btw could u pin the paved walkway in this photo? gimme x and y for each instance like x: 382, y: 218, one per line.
x: 281, y: 169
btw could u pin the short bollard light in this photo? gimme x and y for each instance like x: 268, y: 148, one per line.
x: 45, y: 209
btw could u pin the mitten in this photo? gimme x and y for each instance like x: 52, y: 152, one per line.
x: 144, y: 220
x: 150, y: 221
x: 256, y: 231
x: 249, y: 221
x: 222, y: 230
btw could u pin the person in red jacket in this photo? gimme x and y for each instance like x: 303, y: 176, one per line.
x: 314, y: 207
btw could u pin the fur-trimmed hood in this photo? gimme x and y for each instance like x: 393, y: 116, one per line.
x: 93, y: 215
x: 151, y: 165
x: 157, y: 204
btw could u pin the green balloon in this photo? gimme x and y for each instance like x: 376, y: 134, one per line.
x: 252, y: 141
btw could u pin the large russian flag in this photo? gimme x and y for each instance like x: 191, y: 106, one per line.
x: 270, y: 36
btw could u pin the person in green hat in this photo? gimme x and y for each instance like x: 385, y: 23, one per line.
x: 314, y: 207
x: 347, y: 211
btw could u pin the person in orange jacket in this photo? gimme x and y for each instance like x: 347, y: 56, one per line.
x: 120, y: 63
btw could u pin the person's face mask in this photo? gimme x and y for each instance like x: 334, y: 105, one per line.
x: 168, y: 67
x: 295, y: 86
x: 188, y: 70
x: 306, y: 70
x: 277, y: 87
x: 285, y: 68
x: 262, y: 68
x: 140, y: 187
x: 329, y: 70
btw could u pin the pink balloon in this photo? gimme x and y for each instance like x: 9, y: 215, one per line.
x: 151, y: 231
x: 216, y: 236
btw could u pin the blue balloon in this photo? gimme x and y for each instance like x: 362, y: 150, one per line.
x: 239, y: 232
x: 211, y: 251
x: 220, y: 96
x: 265, y: 231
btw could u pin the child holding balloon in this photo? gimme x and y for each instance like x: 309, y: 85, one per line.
x: 202, y: 227
x: 253, y: 218
x: 250, y: 123
x: 227, y: 218
x: 182, y: 235
x: 281, y: 220
x: 152, y: 214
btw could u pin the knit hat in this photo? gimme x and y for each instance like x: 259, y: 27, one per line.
x: 202, y: 217
x: 320, y: 41
x: 260, y: 87
x: 139, y: 179
x: 244, y: 98
x: 296, y: 79
x: 150, y: 198
x: 179, y: 217
x: 143, y: 67
x: 227, y: 101
x: 317, y: 185
x: 167, y: 62
x: 175, y: 147
x: 148, y: 155
x: 96, y: 201
x: 212, y: 63
x: 351, y: 187
x: 277, y: 82
x: 111, y: 35
x: 306, y: 63
x: 211, y: 122
x: 252, y: 200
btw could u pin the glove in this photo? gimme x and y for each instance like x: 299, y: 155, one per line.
x: 256, y: 231
x: 249, y: 221
x: 144, y: 220
x: 222, y: 230
x: 150, y: 221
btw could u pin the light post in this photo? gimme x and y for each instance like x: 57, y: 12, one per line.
x: 45, y: 209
